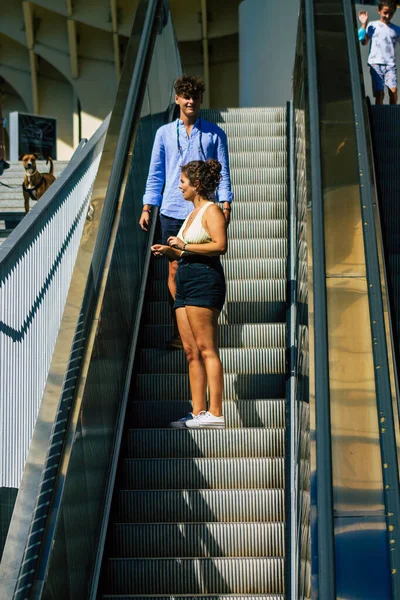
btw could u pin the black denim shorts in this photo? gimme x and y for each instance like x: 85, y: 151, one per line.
x: 200, y: 284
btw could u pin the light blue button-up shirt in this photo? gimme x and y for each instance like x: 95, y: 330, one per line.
x: 170, y: 152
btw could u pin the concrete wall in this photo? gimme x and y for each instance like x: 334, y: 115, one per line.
x: 267, y: 41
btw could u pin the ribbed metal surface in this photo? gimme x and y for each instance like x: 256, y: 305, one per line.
x: 191, y: 597
x: 265, y: 192
x: 250, y: 115
x: 198, y: 539
x: 35, y: 274
x: 249, y: 160
x: 215, y: 499
x: 237, y: 443
x: 217, y: 474
x: 236, y: 387
x: 185, y: 575
x: 254, y: 130
x: 236, y: 290
x: 232, y: 312
x: 238, y: 413
x: 235, y: 360
x: 241, y: 268
x: 202, y: 505
x: 230, y: 336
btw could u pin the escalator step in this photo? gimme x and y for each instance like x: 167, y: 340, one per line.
x: 197, y: 506
x: 250, y: 160
x: 269, y: 335
x: 240, y: 361
x: 250, y: 115
x: 258, y: 248
x: 232, y: 443
x: 259, y: 194
x: 238, y: 413
x: 191, y: 597
x: 269, y: 229
x: 236, y: 289
x: 259, y: 176
x: 276, y: 143
x: 254, y: 130
x: 203, y: 473
x: 159, y: 313
x: 191, y: 575
x: 187, y: 540
x: 236, y: 387
x: 241, y: 268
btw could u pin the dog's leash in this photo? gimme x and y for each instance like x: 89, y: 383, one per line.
x: 11, y: 187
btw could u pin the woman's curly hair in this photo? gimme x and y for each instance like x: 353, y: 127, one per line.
x: 205, y: 175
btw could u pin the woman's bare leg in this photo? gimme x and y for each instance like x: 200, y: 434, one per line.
x: 197, y: 371
x: 204, y: 325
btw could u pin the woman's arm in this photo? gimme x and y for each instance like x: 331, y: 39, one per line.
x: 214, y: 223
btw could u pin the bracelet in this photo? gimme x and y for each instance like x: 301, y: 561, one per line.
x: 184, y: 247
x: 146, y: 210
x: 227, y: 209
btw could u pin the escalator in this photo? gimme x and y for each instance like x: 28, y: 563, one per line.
x: 214, y: 499
x: 135, y: 510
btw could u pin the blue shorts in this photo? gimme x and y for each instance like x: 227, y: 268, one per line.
x: 382, y: 75
x: 169, y: 227
x: 200, y: 284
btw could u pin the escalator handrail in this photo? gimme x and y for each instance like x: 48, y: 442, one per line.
x: 390, y: 473
x: 323, y: 451
x: 40, y: 521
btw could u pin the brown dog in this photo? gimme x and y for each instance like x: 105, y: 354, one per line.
x: 35, y: 183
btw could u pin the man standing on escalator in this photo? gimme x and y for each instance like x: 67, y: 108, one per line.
x: 188, y: 138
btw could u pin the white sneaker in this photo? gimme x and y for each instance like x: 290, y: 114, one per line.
x: 203, y: 420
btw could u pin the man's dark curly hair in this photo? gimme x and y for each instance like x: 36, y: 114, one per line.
x: 205, y: 175
x: 188, y: 84
x: 389, y: 3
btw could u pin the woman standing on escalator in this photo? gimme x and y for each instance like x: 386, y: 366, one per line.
x: 201, y: 290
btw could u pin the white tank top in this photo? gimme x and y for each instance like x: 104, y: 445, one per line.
x: 196, y: 234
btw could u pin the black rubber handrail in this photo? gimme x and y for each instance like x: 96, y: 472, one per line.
x: 325, y: 529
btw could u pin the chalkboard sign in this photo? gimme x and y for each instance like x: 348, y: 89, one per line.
x: 31, y: 133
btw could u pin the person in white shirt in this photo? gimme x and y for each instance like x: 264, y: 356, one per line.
x: 382, y: 58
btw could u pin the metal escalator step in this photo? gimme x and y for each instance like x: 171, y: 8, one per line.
x: 203, y: 473
x: 258, y: 290
x: 197, y: 506
x: 252, y: 211
x: 238, y: 413
x: 188, y: 443
x: 272, y: 192
x: 272, y: 228
x: 276, y: 143
x: 257, y: 248
x: 159, y: 313
x: 235, y: 360
x: 268, y: 335
x: 191, y: 597
x: 258, y: 176
x: 239, y: 268
x: 236, y: 387
x: 244, y: 115
x: 250, y: 160
x: 252, y: 130
x: 191, y: 576
x: 188, y: 540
